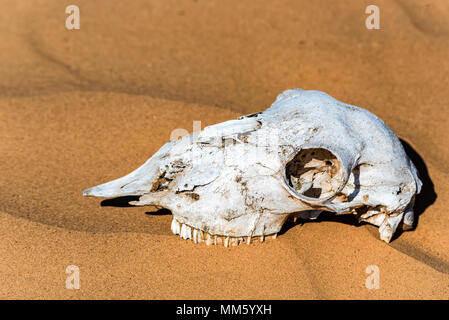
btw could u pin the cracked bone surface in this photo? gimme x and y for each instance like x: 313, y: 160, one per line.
x: 239, y: 181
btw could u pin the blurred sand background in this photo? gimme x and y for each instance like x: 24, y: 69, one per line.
x: 78, y: 108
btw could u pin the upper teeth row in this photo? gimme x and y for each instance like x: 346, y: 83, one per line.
x: 198, y: 236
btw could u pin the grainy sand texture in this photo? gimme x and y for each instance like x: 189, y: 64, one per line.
x: 82, y: 107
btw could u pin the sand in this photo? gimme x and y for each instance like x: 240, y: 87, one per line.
x: 78, y: 108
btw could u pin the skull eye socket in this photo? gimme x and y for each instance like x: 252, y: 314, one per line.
x: 314, y: 173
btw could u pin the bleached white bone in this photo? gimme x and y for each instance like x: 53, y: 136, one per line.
x: 229, y: 184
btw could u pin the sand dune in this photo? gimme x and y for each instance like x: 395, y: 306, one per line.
x: 78, y: 108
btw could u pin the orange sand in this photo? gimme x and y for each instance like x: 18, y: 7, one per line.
x: 78, y: 108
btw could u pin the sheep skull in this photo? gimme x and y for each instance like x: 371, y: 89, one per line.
x: 240, y: 180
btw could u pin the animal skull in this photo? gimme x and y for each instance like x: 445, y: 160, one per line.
x: 240, y: 180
